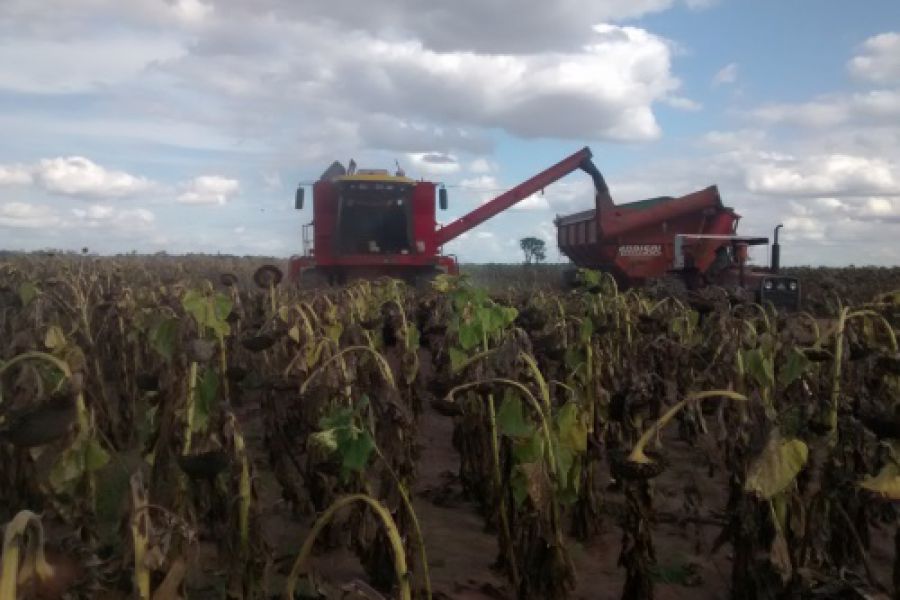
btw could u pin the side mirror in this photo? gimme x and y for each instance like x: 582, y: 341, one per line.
x: 298, y: 198
x: 442, y: 198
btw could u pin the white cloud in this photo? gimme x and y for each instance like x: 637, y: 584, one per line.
x: 805, y: 228
x: 111, y: 218
x: 21, y: 215
x: 191, y: 11
x: 495, y: 27
x: 80, y: 65
x: 209, y: 189
x: 483, y: 187
x: 272, y: 181
x: 481, y: 165
x: 575, y: 194
x: 481, y: 182
x: 137, y: 216
x: 726, y: 75
x: 80, y: 177
x: 875, y: 106
x: 487, y: 187
x: 882, y: 206
x: 380, y: 131
x: 682, y: 103
x: 734, y: 140
x: 841, y: 231
x: 829, y: 175
x: 535, y: 201
x: 312, y: 80
x: 879, y: 61
x: 15, y: 175
x: 478, y: 246
x: 700, y: 4
x: 433, y: 163
x: 95, y: 212
x: 604, y: 89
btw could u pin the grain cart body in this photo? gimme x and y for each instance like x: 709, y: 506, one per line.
x: 693, y: 238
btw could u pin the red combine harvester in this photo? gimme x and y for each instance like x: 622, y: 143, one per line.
x: 692, y: 237
x: 369, y: 223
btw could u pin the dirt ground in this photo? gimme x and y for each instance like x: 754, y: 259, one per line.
x: 460, y: 551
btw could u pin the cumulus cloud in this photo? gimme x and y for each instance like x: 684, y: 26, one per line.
x: 15, y: 175
x: 830, y: 175
x: 57, y: 66
x: 21, y: 215
x: 52, y: 219
x: 272, y: 180
x: 875, y: 106
x: 433, y: 163
x: 841, y: 230
x: 485, y: 187
x: 804, y: 228
x: 309, y: 79
x: 572, y: 195
x: 75, y: 176
x: 481, y: 165
x: 700, y: 4
x: 726, y: 75
x: 682, y: 103
x: 106, y: 216
x: 569, y: 195
x: 872, y: 208
x: 496, y: 27
x: 191, y: 11
x: 536, y: 201
x: 605, y: 89
x: 82, y: 178
x: 879, y: 64
x: 732, y: 140
x: 209, y: 189
x: 879, y: 61
x: 384, y: 132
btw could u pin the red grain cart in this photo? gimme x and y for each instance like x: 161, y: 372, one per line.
x: 691, y: 237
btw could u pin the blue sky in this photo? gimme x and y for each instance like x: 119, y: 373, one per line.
x: 184, y: 125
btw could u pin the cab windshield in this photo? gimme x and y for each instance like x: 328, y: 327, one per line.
x: 374, y: 217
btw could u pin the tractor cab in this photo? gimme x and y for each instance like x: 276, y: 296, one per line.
x: 731, y: 268
x: 374, y: 213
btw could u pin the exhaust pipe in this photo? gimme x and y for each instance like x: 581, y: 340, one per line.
x: 776, y: 252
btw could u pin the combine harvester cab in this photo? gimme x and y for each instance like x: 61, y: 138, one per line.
x: 368, y: 224
x: 691, y: 237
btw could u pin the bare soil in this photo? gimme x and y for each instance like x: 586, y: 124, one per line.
x: 460, y: 551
